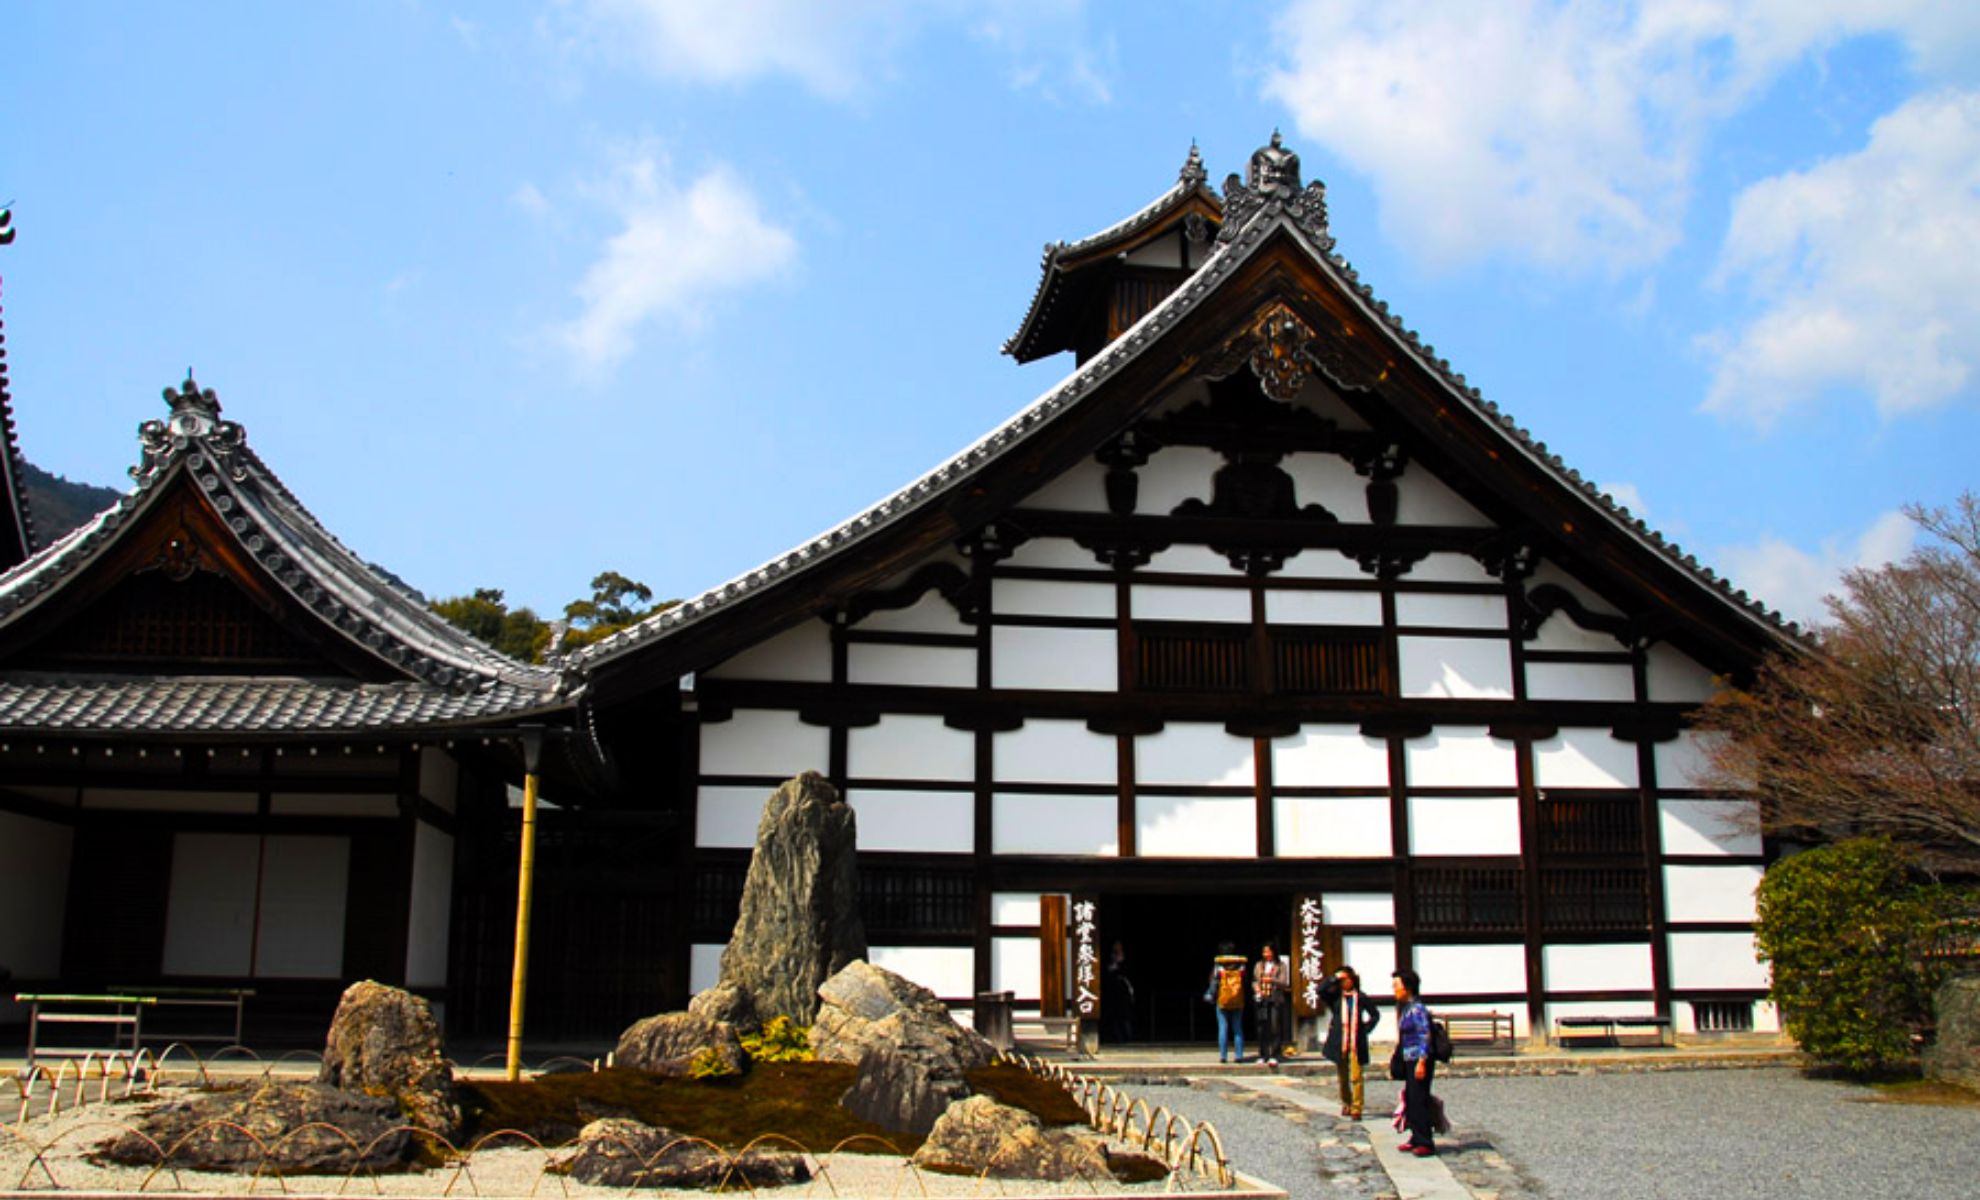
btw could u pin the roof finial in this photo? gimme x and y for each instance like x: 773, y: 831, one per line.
x: 1192, y: 172
x: 1274, y: 170
x: 195, y: 410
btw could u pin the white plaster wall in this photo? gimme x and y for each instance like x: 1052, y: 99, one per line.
x: 1359, y: 908
x: 930, y: 614
x: 1166, y: 251
x: 1054, y: 659
x: 1373, y: 956
x: 209, y: 909
x: 1707, y: 827
x: 1048, y: 598
x: 1424, y: 500
x: 1450, y: 568
x: 758, y: 741
x: 1174, y: 475
x: 1063, y: 553
x: 728, y: 816
x: 1196, y: 826
x: 1578, y: 758
x: 1559, y: 632
x: 704, y: 966
x: 1331, y: 826
x: 1328, y: 480
x: 1447, y: 970
x: 1048, y: 751
x: 932, y: 822
x: 1580, y: 681
x: 1014, y: 967
x: 1597, y: 968
x: 34, y: 892
x: 432, y: 907
x: 1194, y: 754
x: 1548, y: 572
x: 1460, y: 756
x: 303, y: 885
x: 1014, y: 908
x: 1466, y: 825
x: 1158, y: 603
x: 1710, y: 961
x: 439, y: 777
x: 1711, y: 893
x: 1330, y: 756
x: 1456, y: 668
x: 1081, y: 489
x: 1322, y: 564
x: 948, y: 971
x: 910, y: 747
x: 1683, y: 763
x: 802, y: 653
x: 1675, y: 677
x: 1462, y: 611
x: 1766, y: 1018
x: 131, y: 800
x: 1191, y: 559
x: 320, y: 804
x: 1323, y: 608
x: 1082, y: 825
x: 911, y: 666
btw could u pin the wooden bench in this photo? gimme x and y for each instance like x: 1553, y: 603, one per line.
x: 1613, y: 1029
x: 121, y: 1015
x: 195, y: 997
x: 1062, y: 1031
x: 1484, y: 1032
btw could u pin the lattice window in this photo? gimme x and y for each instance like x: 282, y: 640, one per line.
x: 1468, y: 899
x: 717, y: 900
x: 1200, y: 660
x: 913, y: 900
x: 1133, y: 299
x: 1594, y: 899
x: 1591, y: 825
x: 1723, y: 1016
x: 154, y: 619
x: 1328, y: 664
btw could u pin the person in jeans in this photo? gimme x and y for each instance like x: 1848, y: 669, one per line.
x: 1271, y: 985
x: 1226, y: 992
x: 1414, y: 1065
x: 1355, y: 1017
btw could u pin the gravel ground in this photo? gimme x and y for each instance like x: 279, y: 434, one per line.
x: 1261, y: 1142
x: 1721, y: 1135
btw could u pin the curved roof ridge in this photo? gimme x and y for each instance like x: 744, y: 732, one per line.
x: 13, y: 466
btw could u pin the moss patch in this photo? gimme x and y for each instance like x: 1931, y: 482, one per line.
x: 1927, y: 1091
x: 1008, y: 1083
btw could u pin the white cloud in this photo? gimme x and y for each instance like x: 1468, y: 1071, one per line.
x: 1564, y: 135
x: 1627, y: 495
x: 1865, y: 267
x: 1795, y: 581
x: 679, y: 249
x: 531, y: 200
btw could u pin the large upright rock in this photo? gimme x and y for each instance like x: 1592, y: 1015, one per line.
x: 1954, y: 1055
x: 385, y: 1042
x: 799, y: 923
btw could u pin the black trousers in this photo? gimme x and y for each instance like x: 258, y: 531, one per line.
x: 1274, y: 1032
x: 1417, y: 1106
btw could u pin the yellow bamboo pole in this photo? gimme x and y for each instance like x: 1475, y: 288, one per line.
x: 525, y: 879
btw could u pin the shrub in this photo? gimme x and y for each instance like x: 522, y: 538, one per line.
x: 709, y: 1063
x: 1845, y: 929
x: 780, y: 1040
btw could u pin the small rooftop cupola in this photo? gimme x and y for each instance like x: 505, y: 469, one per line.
x: 1093, y: 289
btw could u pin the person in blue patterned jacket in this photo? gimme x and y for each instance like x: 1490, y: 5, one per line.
x: 1414, y: 1065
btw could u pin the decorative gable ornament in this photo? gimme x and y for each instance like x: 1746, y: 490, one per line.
x: 1272, y: 182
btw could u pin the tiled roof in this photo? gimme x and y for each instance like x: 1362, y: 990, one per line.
x: 1250, y: 216
x: 16, y: 524
x: 450, y: 675
x: 44, y: 702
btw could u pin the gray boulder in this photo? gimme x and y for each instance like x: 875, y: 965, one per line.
x: 867, y: 1007
x: 668, y: 1044
x: 384, y: 1042
x: 1954, y: 1055
x: 728, y: 1003
x: 628, y: 1154
x: 285, y: 1126
x: 979, y: 1136
x: 799, y: 924
x: 899, y: 1091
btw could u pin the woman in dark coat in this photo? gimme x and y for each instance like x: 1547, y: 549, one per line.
x: 1355, y: 1016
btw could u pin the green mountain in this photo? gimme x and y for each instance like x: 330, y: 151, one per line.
x: 57, y: 505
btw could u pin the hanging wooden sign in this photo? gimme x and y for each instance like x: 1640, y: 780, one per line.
x: 1309, y: 958
x: 1085, y: 926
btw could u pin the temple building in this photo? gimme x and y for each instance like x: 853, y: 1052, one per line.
x: 1262, y: 611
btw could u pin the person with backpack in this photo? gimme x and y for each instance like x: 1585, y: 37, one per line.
x: 1415, y: 1063
x: 1355, y: 1017
x: 1226, y: 992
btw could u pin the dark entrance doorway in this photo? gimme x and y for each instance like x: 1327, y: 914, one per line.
x: 1170, y: 941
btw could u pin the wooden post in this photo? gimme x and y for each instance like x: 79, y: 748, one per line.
x: 1052, y: 956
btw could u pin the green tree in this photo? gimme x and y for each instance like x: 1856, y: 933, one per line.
x: 616, y: 602
x: 1845, y: 929
x: 484, y: 614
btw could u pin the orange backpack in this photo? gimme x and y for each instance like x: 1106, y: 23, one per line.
x: 1230, y: 987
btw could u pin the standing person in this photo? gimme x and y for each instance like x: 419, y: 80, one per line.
x: 1226, y: 992
x: 1414, y: 1065
x: 1355, y: 1017
x: 1270, y: 986
x: 1117, y: 997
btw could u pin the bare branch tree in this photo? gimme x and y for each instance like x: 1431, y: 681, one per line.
x: 1876, y: 729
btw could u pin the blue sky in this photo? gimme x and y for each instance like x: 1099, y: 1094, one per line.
x: 511, y: 293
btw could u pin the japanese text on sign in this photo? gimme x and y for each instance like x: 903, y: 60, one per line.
x: 1086, y: 957
x: 1312, y: 968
